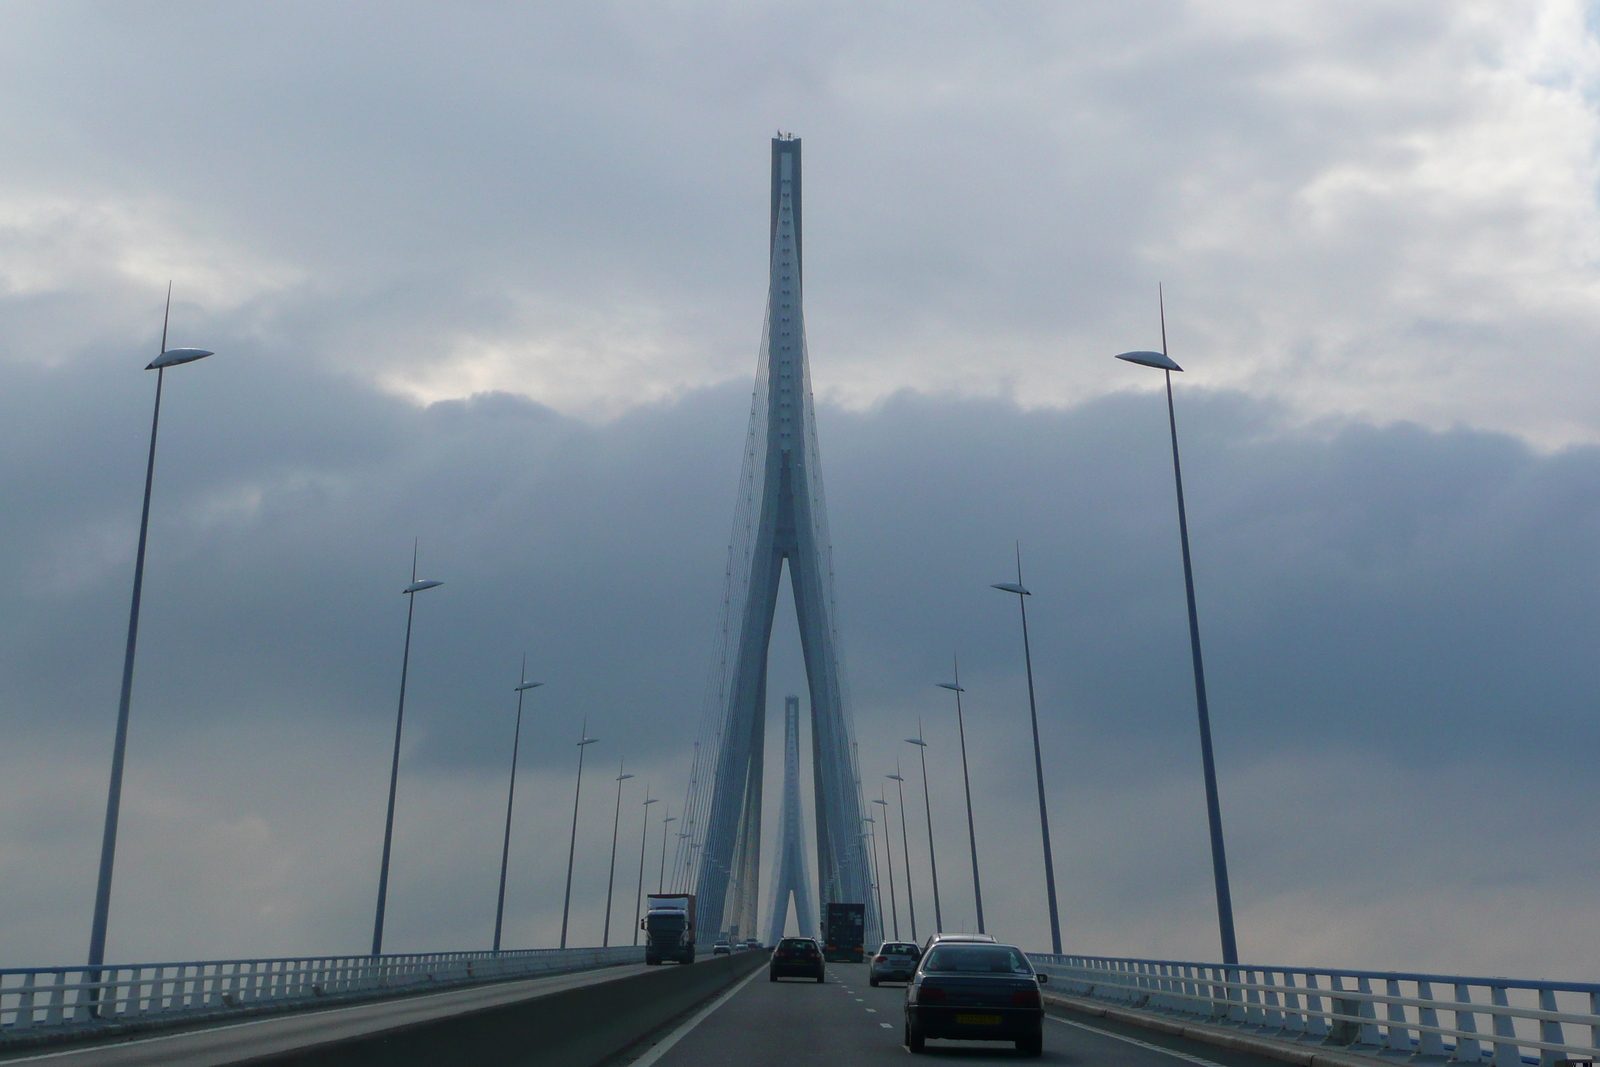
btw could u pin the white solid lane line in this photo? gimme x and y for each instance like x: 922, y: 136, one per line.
x: 681, y: 1032
x: 1202, y: 1061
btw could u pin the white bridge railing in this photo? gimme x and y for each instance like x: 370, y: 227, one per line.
x: 1503, y: 1022
x: 67, y: 996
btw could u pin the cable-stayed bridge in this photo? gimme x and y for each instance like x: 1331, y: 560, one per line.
x: 583, y: 1006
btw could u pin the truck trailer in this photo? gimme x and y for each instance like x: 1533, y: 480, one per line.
x: 844, y: 932
x: 669, y: 928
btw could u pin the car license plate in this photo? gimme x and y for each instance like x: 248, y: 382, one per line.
x: 977, y: 1020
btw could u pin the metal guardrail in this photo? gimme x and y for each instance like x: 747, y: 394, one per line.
x: 1503, y: 1022
x: 94, y: 996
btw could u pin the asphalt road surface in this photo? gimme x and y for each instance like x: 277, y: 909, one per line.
x: 846, y: 1022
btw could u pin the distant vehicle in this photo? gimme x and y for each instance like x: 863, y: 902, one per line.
x: 796, y: 957
x: 844, y: 932
x: 722, y: 948
x: 975, y: 991
x: 895, y: 961
x: 750, y: 942
x: 669, y: 928
x: 982, y: 939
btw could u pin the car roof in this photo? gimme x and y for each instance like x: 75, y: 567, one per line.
x: 982, y: 939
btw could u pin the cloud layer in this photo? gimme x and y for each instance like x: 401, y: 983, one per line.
x: 492, y: 279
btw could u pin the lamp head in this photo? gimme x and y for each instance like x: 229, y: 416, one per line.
x: 623, y: 777
x: 894, y: 778
x: 417, y: 587
x: 1158, y: 360
x: 885, y: 803
x: 1011, y: 587
x: 174, y: 356
x: 587, y: 741
x: 527, y: 685
x: 654, y: 800
x: 953, y: 687
x: 916, y: 741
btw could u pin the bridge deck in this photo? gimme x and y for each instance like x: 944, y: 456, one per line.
x: 282, y: 1034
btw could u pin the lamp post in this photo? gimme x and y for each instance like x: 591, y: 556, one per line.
x: 611, y: 878
x: 888, y: 855
x: 167, y: 357
x: 410, y: 592
x: 972, y: 834
x: 572, y: 843
x: 1038, y: 760
x: 644, y: 835
x: 905, y: 845
x: 523, y: 685
x: 661, y: 876
x: 927, y: 809
x: 1219, y: 858
x: 877, y: 881
x: 682, y: 877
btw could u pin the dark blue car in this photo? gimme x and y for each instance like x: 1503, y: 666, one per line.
x: 973, y: 992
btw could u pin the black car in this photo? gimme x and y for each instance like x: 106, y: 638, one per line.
x: 796, y: 957
x: 975, y: 992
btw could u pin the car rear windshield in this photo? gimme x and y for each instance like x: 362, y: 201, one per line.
x: 797, y: 942
x: 977, y: 959
x: 899, y: 949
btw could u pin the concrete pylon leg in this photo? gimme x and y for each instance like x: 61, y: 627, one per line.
x: 781, y: 502
x: 789, y: 878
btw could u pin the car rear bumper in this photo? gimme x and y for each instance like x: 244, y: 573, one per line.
x: 796, y: 970
x: 947, y: 1022
x: 886, y: 972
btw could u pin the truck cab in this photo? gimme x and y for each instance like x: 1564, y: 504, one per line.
x: 669, y: 928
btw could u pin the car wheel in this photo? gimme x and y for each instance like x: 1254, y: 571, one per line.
x: 1031, y: 1046
x: 914, y: 1039
x: 772, y: 976
x: 873, y: 981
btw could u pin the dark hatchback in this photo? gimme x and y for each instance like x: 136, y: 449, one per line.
x: 796, y: 957
x: 972, y: 992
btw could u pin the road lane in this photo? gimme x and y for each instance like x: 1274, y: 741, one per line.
x: 846, y: 1022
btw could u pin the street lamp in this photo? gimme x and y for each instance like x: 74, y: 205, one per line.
x: 1219, y: 858
x: 572, y: 844
x: 972, y: 834
x: 523, y: 685
x: 644, y: 835
x: 888, y: 855
x: 1038, y: 760
x: 877, y: 881
x: 167, y: 357
x: 410, y: 592
x: 927, y: 808
x: 661, y: 875
x: 611, y: 878
x: 905, y: 844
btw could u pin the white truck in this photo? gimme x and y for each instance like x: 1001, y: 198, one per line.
x: 669, y: 929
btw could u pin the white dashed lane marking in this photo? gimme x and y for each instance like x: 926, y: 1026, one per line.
x: 873, y: 1010
x: 886, y: 1026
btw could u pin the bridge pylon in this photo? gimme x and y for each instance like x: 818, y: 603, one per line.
x: 780, y: 519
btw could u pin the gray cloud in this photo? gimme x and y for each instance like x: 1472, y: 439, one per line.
x: 1387, y: 611
x: 492, y: 279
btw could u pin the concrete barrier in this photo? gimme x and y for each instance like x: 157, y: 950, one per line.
x: 569, y: 1028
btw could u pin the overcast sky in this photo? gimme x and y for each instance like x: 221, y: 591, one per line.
x: 492, y: 278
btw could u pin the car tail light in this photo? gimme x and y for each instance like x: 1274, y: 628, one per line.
x: 1027, y: 998
x: 882, y: 959
x: 930, y: 996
